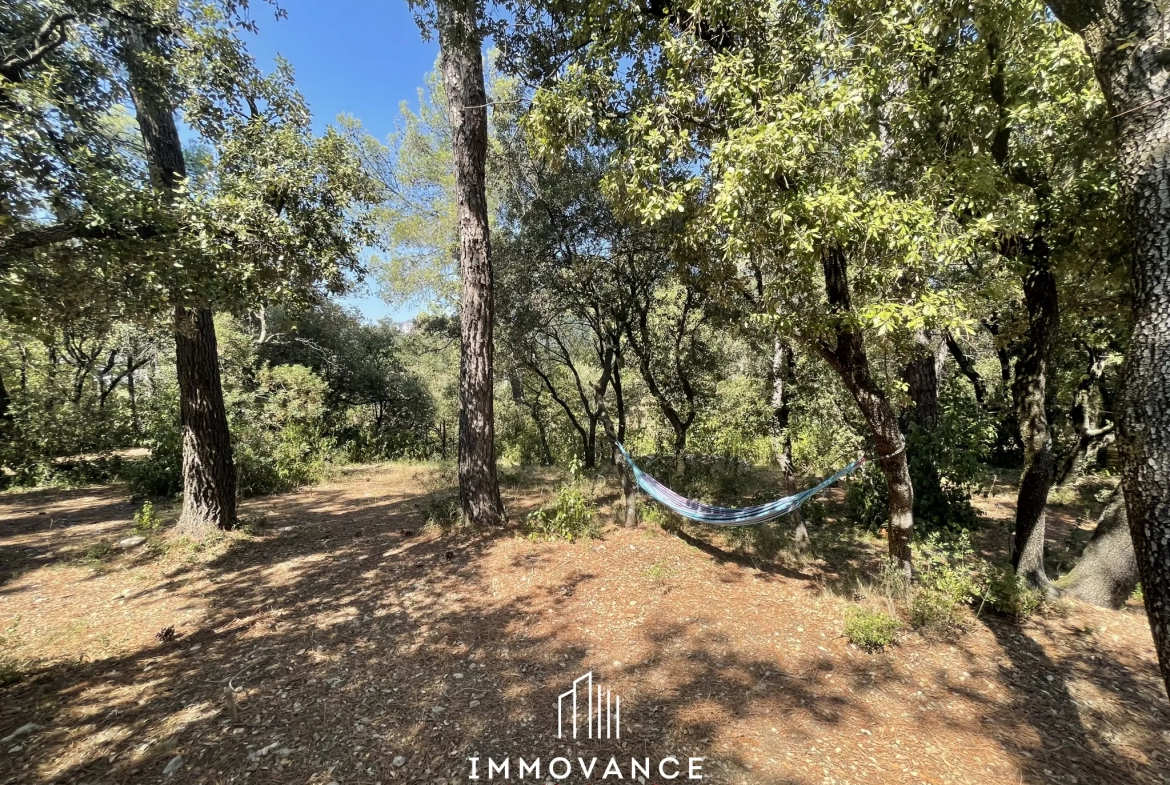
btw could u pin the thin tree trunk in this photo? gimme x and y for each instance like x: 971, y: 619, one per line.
x: 1028, y: 394
x: 1086, y: 435
x: 629, y: 488
x: 783, y: 368
x: 1135, y: 81
x: 848, y: 358
x: 130, y: 389
x: 209, y: 473
x: 967, y: 367
x: 1107, y: 572
x: 460, y: 44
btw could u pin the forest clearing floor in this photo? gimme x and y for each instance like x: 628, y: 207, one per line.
x: 338, y: 640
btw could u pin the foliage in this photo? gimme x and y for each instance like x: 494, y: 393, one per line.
x: 949, y: 579
x: 1009, y: 594
x: 146, y: 520
x: 869, y: 629
x: 570, y: 516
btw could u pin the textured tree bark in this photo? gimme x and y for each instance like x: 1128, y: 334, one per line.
x: 782, y: 372
x: 1028, y: 394
x: 5, y: 402
x: 1087, y: 436
x: 629, y: 488
x: 1135, y: 81
x: 460, y: 45
x: 1107, y: 572
x: 209, y: 473
x: 848, y: 358
x: 922, y: 381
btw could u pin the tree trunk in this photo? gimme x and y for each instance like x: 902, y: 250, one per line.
x: 848, y: 358
x: 1086, y: 435
x: 1135, y: 81
x: 130, y: 389
x: 1028, y: 394
x: 919, y: 422
x: 783, y: 370
x: 629, y: 487
x: 460, y: 43
x: 5, y: 401
x: 209, y: 473
x: 967, y: 367
x: 922, y: 381
x: 1107, y: 572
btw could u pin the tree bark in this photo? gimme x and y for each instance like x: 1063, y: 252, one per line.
x: 967, y: 367
x: 1135, y: 81
x: 130, y: 370
x: 5, y: 402
x: 209, y: 473
x: 1086, y: 435
x: 1028, y: 394
x: 782, y: 372
x: 460, y: 45
x: 1107, y: 572
x: 629, y: 487
x: 922, y: 381
x: 848, y: 358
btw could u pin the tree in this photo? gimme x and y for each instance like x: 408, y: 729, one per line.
x: 209, y: 474
x: 271, y: 213
x: 1126, y: 44
x: 461, y: 32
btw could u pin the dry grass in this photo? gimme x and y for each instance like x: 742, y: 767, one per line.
x: 341, y: 634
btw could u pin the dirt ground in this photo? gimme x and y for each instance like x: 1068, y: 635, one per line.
x: 338, y: 640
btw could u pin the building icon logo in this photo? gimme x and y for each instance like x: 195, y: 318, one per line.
x: 603, y: 715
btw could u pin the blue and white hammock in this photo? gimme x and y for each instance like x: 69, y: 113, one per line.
x: 729, y: 516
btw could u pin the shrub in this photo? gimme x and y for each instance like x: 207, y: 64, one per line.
x: 1008, y: 593
x: 949, y: 579
x: 869, y: 629
x: 570, y: 517
x: 146, y: 520
x: 443, y: 511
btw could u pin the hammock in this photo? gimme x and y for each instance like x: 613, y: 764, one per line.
x: 729, y: 516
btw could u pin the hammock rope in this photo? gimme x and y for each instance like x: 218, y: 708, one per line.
x: 729, y: 516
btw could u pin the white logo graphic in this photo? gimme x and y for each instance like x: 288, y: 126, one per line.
x: 612, y: 714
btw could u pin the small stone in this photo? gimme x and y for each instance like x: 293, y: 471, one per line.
x: 23, y: 730
x: 126, y: 543
x: 438, y: 709
x: 474, y: 704
x: 457, y: 675
x: 399, y: 761
x: 173, y: 766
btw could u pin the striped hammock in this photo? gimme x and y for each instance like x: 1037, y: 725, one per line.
x: 729, y: 516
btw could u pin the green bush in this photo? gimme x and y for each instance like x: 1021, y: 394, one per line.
x: 569, y: 517
x: 146, y: 520
x: 1009, y: 594
x: 870, y: 630
x: 277, y: 439
x: 949, y: 579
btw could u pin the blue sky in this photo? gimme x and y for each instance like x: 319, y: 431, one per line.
x: 359, y: 57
